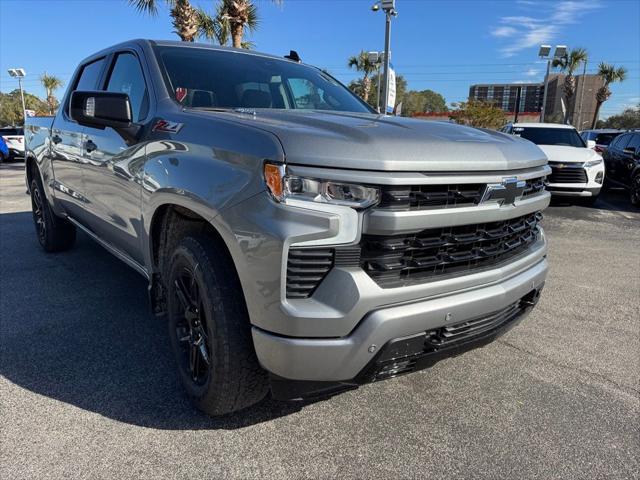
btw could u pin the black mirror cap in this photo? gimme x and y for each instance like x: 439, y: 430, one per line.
x: 101, y: 109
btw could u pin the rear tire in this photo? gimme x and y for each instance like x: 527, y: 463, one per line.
x: 55, y: 234
x: 209, y: 329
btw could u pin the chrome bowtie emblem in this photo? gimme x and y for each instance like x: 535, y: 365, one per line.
x: 506, y: 192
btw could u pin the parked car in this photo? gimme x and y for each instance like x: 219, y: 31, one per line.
x: 14, y: 138
x: 622, y: 159
x: 577, y: 171
x: 599, y: 139
x: 293, y: 239
x: 4, y: 150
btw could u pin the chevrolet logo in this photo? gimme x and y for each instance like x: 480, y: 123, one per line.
x: 506, y: 192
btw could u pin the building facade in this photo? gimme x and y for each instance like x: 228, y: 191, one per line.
x: 504, y: 95
x: 581, y: 107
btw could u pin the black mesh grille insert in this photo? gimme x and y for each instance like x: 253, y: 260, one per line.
x: 567, y: 174
x: 420, y: 197
x: 398, y: 260
x: 306, y: 268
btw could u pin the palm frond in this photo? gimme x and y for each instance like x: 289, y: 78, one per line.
x: 252, y: 20
x: 145, y: 6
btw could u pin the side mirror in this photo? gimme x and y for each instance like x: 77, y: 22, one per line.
x: 591, y: 144
x: 101, y: 109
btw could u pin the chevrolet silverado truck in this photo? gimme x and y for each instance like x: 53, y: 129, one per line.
x: 295, y: 242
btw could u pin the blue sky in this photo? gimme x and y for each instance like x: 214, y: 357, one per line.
x: 442, y: 45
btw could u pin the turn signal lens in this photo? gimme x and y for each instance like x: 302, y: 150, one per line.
x: 273, y: 179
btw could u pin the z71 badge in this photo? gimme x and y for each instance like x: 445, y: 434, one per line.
x: 167, y: 126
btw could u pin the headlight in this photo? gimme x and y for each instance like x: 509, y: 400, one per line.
x: 283, y: 187
x: 592, y: 163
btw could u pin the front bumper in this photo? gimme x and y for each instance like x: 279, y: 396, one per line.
x: 345, y: 359
x: 333, y: 335
x: 590, y: 188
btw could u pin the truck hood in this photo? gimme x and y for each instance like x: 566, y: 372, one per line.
x: 560, y: 153
x: 379, y: 142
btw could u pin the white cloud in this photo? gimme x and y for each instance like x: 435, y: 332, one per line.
x: 526, y: 32
x: 503, y: 31
x: 532, y: 72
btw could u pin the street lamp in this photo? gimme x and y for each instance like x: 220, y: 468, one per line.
x: 543, y: 53
x: 19, y: 73
x: 389, y: 8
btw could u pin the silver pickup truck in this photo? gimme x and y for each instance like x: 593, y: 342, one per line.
x: 295, y: 241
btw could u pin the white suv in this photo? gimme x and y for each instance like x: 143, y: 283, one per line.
x: 576, y: 170
x: 14, y: 138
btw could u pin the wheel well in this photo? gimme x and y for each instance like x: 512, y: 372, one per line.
x: 170, y: 224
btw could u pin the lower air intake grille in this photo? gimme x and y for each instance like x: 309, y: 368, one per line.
x: 398, y: 260
x: 306, y: 268
x: 460, y: 332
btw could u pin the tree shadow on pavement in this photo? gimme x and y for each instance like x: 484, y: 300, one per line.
x: 76, y: 327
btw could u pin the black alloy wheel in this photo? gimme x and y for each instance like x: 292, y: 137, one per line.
x: 191, y: 327
x: 37, y: 207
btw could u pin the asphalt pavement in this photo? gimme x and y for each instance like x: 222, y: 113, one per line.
x: 88, y: 388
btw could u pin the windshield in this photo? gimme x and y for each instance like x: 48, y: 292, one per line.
x: 204, y: 78
x: 550, y: 136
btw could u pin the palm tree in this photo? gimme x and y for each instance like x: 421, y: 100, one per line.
x: 50, y: 84
x: 569, y: 63
x: 236, y: 15
x: 186, y: 19
x: 362, y: 64
x: 610, y: 74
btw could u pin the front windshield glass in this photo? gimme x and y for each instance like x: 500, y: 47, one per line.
x: 550, y: 136
x: 205, y: 78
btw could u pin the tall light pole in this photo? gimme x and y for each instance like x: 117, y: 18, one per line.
x: 389, y: 9
x: 19, y: 73
x: 543, y: 53
x: 584, y: 80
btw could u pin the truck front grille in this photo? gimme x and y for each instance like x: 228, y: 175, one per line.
x: 421, y: 197
x: 399, y: 260
x: 306, y: 268
x: 567, y: 174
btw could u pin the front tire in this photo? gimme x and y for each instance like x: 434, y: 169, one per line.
x: 55, y: 234
x: 635, y: 190
x: 209, y: 329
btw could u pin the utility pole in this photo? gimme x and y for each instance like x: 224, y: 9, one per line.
x: 517, y: 109
x: 389, y: 9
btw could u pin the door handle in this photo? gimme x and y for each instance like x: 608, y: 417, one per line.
x: 90, y: 146
x: 56, y: 139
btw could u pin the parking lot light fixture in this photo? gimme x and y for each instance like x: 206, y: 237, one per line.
x: 19, y: 73
x: 389, y: 9
x: 543, y: 54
